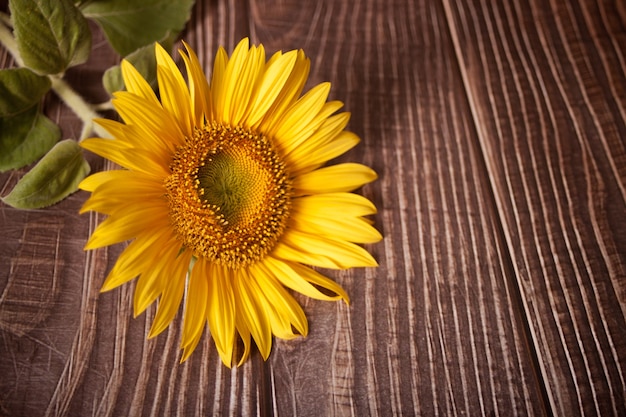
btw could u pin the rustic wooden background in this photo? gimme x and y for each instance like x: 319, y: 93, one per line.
x: 498, y: 130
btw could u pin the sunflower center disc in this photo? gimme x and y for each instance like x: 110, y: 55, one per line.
x: 228, y: 195
x: 235, y: 183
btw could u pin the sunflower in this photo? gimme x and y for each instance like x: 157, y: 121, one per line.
x: 225, y: 197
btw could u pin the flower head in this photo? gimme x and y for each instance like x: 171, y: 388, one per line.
x: 225, y: 197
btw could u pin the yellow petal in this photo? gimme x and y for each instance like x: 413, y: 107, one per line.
x: 305, y: 162
x: 226, y: 101
x: 128, y: 225
x: 288, y: 253
x: 119, y: 276
x: 174, y: 93
x: 136, y: 84
x: 351, y: 229
x: 331, y: 127
x: 244, y: 334
x: 330, y: 203
x: 221, y: 311
x: 294, y: 138
x: 154, y: 280
x: 333, y: 253
x: 251, y: 313
x: 117, y: 130
x: 195, y: 308
x: 217, y: 83
x: 136, y: 258
x: 148, y: 127
x: 113, y: 195
x: 274, y: 78
x: 169, y: 302
x: 335, y: 178
x: 111, y: 149
x: 315, y: 278
x: 285, y: 313
x: 95, y: 180
x: 297, y: 277
x: 137, y: 160
x: 190, y: 347
x: 130, y: 263
x: 148, y: 288
x: 279, y: 323
x: 139, y: 136
x: 198, y: 86
x: 288, y: 95
x: 241, y: 103
x: 338, y: 146
x: 299, y: 117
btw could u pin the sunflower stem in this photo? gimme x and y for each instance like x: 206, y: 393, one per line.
x: 6, y: 19
x: 79, y: 106
x: 8, y: 41
x: 107, y: 105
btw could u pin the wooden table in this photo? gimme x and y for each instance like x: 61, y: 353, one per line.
x: 498, y: 130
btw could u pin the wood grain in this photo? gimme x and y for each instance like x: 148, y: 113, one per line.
x: 498, y: 134
x: 397, y: 72
x: 546, y: 89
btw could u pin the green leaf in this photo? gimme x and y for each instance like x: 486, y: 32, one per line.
x: 131, y: 24
x: 55, y: 177
x: 20, y: 89
x: 143, y: 59
x: 51, y: 35
x: 112, y: 80
x: 25, y: 137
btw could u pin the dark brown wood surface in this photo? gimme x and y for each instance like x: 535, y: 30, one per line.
x: 498, y: 130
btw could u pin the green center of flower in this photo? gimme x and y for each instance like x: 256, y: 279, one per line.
x: 228, y: 195
x: 231, y: 181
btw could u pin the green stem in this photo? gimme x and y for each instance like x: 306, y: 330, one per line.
x: 107, y: 105
x: 6, y: 19
x: 83, y: 110
x: 8, y: 41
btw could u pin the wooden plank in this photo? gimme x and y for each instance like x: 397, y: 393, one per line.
x: 546, y: 86
x: 434, y: 330
x: 535, y: 116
